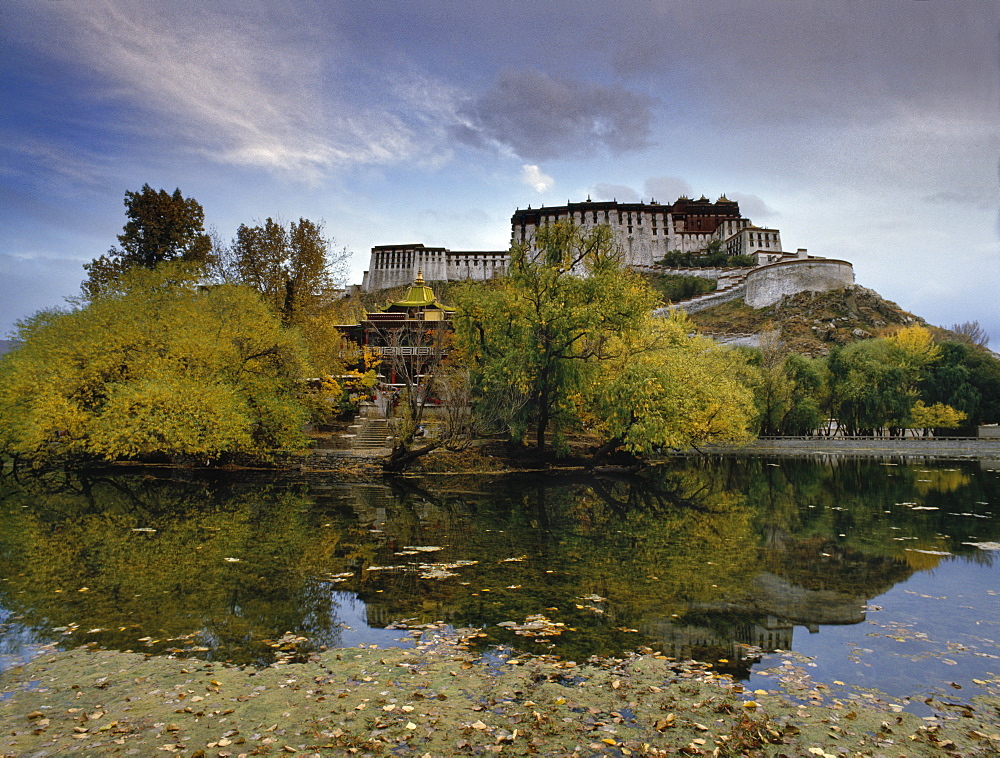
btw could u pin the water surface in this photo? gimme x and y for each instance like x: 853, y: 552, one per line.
x: 878, y: 574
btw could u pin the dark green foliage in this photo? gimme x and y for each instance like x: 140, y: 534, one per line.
x: 967, y: 378
x: 673, y: 288
x: 161, y: 227
x: 709, y: 259
x: 869, y: 388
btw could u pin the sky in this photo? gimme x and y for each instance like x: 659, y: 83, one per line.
x: 867, y: 131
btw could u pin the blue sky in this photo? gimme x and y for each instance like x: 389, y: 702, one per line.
x: 866, y: 131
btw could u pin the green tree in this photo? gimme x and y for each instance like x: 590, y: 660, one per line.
x: 153, y: 366
x: 530, y: 336
x: 950, y: 381
x: 786, y: 390
x: 868, y: 387
x: 161, y: 227
x: 807, y: 376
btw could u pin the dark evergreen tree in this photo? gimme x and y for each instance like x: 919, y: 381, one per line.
x: 161, y: 227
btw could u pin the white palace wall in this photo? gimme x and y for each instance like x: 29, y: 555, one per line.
x: 768, y: 284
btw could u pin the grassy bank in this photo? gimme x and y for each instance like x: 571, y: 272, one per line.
x: 440, y: 699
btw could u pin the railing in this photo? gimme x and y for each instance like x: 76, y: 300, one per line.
x: 404, y: 350
x: 874, y: 438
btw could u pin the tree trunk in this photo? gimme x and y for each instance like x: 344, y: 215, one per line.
x: 403, y: 457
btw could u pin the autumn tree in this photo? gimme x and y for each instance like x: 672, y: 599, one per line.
x: 293, y: 268
x: 153, y: 365
x: 161, y: 227
x: 936, y: 416
x: 529, y: 336
x: 662, y: 388
x: 296, y: 271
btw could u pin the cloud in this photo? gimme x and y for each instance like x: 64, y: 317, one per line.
x: 57, y: 164
x: 532, y: 176
x: 246, y: 93
x: 772, y: 62
x: 539, y: 117
x: 618, y: 192
x: 666, y: 189
x: 752, y: 207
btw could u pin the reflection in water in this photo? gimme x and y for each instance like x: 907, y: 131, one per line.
x: 716, y: 559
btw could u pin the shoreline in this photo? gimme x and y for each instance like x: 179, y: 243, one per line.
x: 440, y: 699
x: 488, y: 460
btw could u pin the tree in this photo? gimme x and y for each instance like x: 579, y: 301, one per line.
x: 153, y: 366
x: 870, y: 388
x: 971, y: 333
x: 296, y: 274
x: 786, y: 390
x: 874, y: 383
x: 530, y: 336
x: 160, y: 228
x: 937, y: 416
x: 665, y: 389
x: 967, y: 377
x: 292, y: 268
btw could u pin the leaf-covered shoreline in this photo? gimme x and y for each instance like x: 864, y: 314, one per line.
x: 441, y: 699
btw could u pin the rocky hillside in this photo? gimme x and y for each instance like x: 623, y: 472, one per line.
x: 808, y: 322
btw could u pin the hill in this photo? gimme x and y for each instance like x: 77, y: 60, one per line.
x: 808, y: 322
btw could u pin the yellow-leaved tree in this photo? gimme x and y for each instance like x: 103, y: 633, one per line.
x: 936, y: 416
x: 668, y: 389
x: 153, y: 365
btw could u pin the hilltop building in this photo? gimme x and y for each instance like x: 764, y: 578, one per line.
x: 646, y: 232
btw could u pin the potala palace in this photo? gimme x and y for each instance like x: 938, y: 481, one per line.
x: 646, y: 232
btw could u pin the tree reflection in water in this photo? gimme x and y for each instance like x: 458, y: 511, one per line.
x: 706, y: 558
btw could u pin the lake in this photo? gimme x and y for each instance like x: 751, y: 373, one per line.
x: 869, y: 573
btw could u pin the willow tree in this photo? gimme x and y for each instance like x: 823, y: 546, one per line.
x: 666, y: 389
x: 531, y: 337
x: 153, y: 366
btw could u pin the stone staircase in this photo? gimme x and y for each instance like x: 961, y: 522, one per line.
x: 374, y: 434
x: 733, y: 289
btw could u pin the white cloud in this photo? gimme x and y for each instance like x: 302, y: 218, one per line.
x: 227, y: 91
x: 532, y: 176
x: 666, y: 189
x: 752, y: 206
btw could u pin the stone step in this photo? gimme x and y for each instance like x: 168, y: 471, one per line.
x: 374, y: 434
